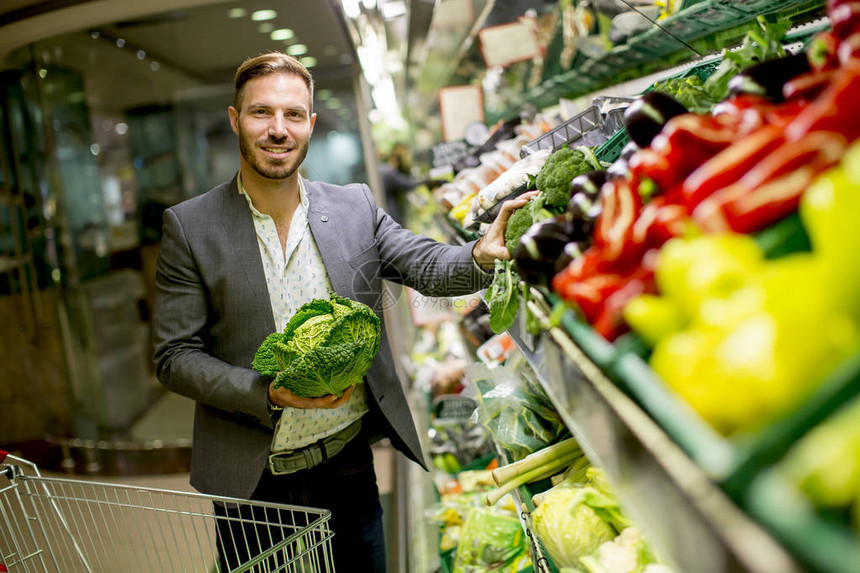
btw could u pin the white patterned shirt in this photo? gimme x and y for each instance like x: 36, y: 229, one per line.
x: 294, y: 277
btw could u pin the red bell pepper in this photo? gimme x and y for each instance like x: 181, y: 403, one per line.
x: 729, y: 165
x: 808, y: 86
x: 845, y: 19
x: 610, y: 322
x: 614, y: 226
x: 659, y: 221
x: 772, y: 189
x: 849, y: 49
x: 685, y: 142
x: 833, y: 110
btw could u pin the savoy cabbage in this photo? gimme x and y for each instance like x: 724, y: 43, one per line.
x: 326, y: 347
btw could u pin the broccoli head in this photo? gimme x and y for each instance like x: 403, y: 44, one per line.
x: 523, y: 218
x: 559, y: 170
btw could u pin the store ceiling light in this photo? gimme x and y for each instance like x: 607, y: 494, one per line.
x: 297, y: 50
x: 282, y: 34
x: 263, y: 15
x: 120, y: 42
x: 368, y: 4
x: 351, y: 9
x: 392, y: 10
x: 141, y: 54
x: 308, y: 61
x: 236, y: 13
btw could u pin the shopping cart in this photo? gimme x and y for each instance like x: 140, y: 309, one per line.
x: 66, y: 526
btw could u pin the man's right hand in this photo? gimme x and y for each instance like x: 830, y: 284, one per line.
x: 286, y: 399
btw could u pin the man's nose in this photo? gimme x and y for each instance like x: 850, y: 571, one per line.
x: 278, y: 125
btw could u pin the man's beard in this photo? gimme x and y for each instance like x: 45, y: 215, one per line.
x: 277, y: 171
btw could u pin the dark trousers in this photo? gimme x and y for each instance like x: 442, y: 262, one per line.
x: 345, y: 485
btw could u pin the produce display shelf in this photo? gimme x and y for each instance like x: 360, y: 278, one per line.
x: 522, y: 499
x: 700, y: 28
x: 691, y: 523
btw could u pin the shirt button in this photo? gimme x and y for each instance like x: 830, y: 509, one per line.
x: 324, y: 219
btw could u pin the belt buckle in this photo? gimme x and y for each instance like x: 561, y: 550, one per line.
x: 272, y: 466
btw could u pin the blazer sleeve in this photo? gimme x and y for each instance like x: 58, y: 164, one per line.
x: 181, y: 318
x: 422, y: 263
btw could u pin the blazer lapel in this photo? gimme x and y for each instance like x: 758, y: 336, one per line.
x: 240, y: 231
x: 322, y: 219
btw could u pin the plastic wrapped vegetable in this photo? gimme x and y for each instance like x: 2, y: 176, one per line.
x: 489, y: 541
x: 515, y: 411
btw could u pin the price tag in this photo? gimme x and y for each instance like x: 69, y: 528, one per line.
x: 508, y: 43
x: 453, y: 407
x: 459, y: 107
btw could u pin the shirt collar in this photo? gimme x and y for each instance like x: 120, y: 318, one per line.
x: 303, y: 195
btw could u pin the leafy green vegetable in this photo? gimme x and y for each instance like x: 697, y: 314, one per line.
x: 758, y: 46
x: 690, y: 92
x: 567, y: 528
x: 627, y: 553
x: 559, y: 170
x: 326, y: 347
x: 503, y: 297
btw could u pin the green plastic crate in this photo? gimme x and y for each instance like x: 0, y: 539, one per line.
x: 766, y: 7
x: 820, y: 542
x: 803, y: 10
x: 599, y: 350
x: 655, y: 42
x: 611, y: 150
x: 707, y: 18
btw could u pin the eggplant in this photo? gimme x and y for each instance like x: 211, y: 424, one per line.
x: 618, y: 170
x: 534, y: 258
x: 588, y: 183
x: 628, y: 150
x: 646, y: 116
x: 768, y: 78
x: 570, y: 251
x: 579, y: 206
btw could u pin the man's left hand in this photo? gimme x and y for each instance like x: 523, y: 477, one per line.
x: 492, y: 245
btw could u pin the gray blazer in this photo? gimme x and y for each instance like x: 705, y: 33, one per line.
x: 212, y: 311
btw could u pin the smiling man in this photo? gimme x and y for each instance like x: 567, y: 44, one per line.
x: 234, y: 264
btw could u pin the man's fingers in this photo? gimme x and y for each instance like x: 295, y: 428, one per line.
x: 329, y: 401
x: 512, y: 205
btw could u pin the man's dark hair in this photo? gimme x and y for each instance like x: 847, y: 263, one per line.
x: 271, y: 63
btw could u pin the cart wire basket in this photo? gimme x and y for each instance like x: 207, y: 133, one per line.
x: 66, y: 525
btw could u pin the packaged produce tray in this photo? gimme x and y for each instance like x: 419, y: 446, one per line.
x: 585, y: 128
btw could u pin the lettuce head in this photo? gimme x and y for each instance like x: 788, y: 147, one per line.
x: 568, y: 528
x: 326, y: 347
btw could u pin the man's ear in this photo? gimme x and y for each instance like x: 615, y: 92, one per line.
x: 313, y: 122
x: 234, y: 119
